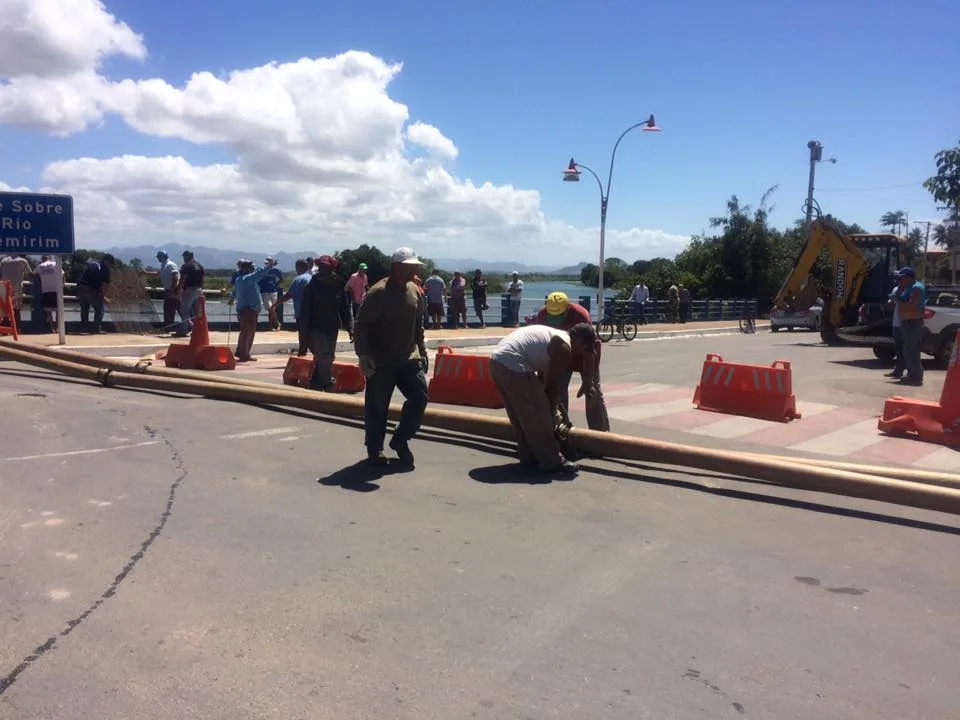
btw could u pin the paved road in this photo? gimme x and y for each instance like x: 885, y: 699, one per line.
x: 163, y: 557
x: 840, y: 392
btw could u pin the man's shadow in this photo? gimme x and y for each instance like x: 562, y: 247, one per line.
x: 362, y: 476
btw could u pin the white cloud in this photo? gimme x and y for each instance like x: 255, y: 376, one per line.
x: 322, y: 156
x: 430, y: 138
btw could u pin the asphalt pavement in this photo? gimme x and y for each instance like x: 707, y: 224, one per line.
x: 170, y: 557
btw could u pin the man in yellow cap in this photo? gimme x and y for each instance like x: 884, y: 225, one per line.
x: 558, y: 312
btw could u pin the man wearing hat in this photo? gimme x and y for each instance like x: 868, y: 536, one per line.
x: 357, y: 287
x: 246, y: 293
x: 910, y: 299
x: 270, y: 289
x: 558, y: 312
x: 388, y: 336
x: 169, y: 281
x: 324, y: 310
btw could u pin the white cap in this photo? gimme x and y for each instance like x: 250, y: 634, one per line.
x: 405, y: 256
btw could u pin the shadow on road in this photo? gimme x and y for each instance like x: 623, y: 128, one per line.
x: 929, y: 364
x: 646, y: 476
x: 359, y: 477
x: 513, y: 474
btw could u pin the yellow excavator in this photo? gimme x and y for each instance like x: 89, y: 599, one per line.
x: 855, y: 296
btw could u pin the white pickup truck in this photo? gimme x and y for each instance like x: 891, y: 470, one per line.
x: 941, y: 321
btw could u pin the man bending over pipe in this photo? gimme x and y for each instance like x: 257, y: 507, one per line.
x: 517, y: 365
x: 558, y: 312
x: 388, y: 336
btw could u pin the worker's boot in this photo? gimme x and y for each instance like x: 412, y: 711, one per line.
x: 403, y: 451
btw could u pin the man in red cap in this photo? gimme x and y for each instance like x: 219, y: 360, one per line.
x: 324, y: 310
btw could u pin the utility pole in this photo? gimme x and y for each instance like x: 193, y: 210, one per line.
x: 816, y: 155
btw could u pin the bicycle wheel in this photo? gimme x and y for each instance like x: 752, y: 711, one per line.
x: 628, y: 330
x: 747, y: 325
x: 605, y: 330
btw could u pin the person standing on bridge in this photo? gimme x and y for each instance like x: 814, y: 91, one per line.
x: 911, y: 301
x: 560, y: 313
x: 640, y: 296
x: 388, y: 336
x: 324, y: 310
x: 51, y: 282
x: 92, y: 288
x: 295, y: 293
x: 246, y: 293
x: 190, y: 290
x: 169, y: 275
x: 357, y: 288
x: 517, y: 365
x: 15, y: 269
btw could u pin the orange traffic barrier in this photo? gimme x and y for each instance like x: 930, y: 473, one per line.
x: 199, y: 354
x: 298, y: 371
x: 347, y: 377
x: 759, y: 391
x: 463, y: 380
x: 929, y: 421
x: 6, y: 308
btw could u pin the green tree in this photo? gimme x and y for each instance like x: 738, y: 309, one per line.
x: 136, y: 263
x: 894, y: 220
x: 945, y: 185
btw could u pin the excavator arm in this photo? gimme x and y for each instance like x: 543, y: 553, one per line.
x: 849, y: 267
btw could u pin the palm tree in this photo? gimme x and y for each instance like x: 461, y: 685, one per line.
x: 895, y: 219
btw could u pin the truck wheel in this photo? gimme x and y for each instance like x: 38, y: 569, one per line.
x: 884, y: 352
x: 774, y: 328
x: 945, y: 352
x: 829, y: 336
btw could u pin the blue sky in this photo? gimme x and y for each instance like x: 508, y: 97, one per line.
x: 738, y: 88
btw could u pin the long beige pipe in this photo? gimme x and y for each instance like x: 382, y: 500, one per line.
x: 921, y: 476
x: 788, y: 474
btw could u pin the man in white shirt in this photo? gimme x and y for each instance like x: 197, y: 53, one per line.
x: 170, y: 282
x: 640, y: 295
x: 50, y: 283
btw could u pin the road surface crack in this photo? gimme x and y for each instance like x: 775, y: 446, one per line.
x: 7, y: 681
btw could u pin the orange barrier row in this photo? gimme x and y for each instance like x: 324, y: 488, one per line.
x: 463, y: 380
x: 929, y: 421
x: 199, y: 354
x: 6, y: 308
x: 751, y: 390
x: 347, y: 378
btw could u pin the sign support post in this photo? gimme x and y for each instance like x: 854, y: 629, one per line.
x: 61, y: 321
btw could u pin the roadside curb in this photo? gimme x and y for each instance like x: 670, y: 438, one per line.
x: 269, y: 348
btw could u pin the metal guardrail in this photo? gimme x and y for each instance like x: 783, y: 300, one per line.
x: 661, y: 310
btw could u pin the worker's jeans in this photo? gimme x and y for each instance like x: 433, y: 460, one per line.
x: 90, y: 298
x: 899, y: 364
x: 596, y: 406
x: 171, y: 303
x: 531, y: 416
x: 911, y: 333
x: 411, y: 382
x: 515, y: 311
x: 247, y: 319
x: 324, y: 348
x: 188, y: 308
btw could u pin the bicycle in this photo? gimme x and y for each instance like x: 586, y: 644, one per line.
x: 608, y: 326
x: 748, y: 322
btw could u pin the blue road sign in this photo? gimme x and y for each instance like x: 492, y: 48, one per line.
x: 32, y: 224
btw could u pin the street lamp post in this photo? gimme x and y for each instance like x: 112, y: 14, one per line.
x: 572, y: 174
x: 816, y: 155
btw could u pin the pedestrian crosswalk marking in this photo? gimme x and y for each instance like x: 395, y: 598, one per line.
x: 843, y: 441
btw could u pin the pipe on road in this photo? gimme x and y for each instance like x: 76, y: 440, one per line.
x: 776, y: 471
x: 921, y: 476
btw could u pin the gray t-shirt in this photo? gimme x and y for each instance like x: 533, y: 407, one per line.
x: 434, y: 287
x: 167, y: 271
x: 526, y: 350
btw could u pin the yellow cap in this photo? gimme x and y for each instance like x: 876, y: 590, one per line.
x: 557, y: 303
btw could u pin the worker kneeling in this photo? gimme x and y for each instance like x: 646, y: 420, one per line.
x: 517, y: 365
x: 558, y: 312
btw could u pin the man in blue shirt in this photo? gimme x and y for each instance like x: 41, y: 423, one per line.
x: 295, y: 293
x: 246, y: 291
x: 911, y: 301
x: 270, y: 289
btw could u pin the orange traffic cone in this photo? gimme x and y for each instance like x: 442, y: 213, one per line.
x: 200, y: 335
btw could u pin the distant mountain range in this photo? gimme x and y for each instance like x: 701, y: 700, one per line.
x: 217, y: 259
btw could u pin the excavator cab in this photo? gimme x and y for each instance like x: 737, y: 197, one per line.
x: 855, y: 296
